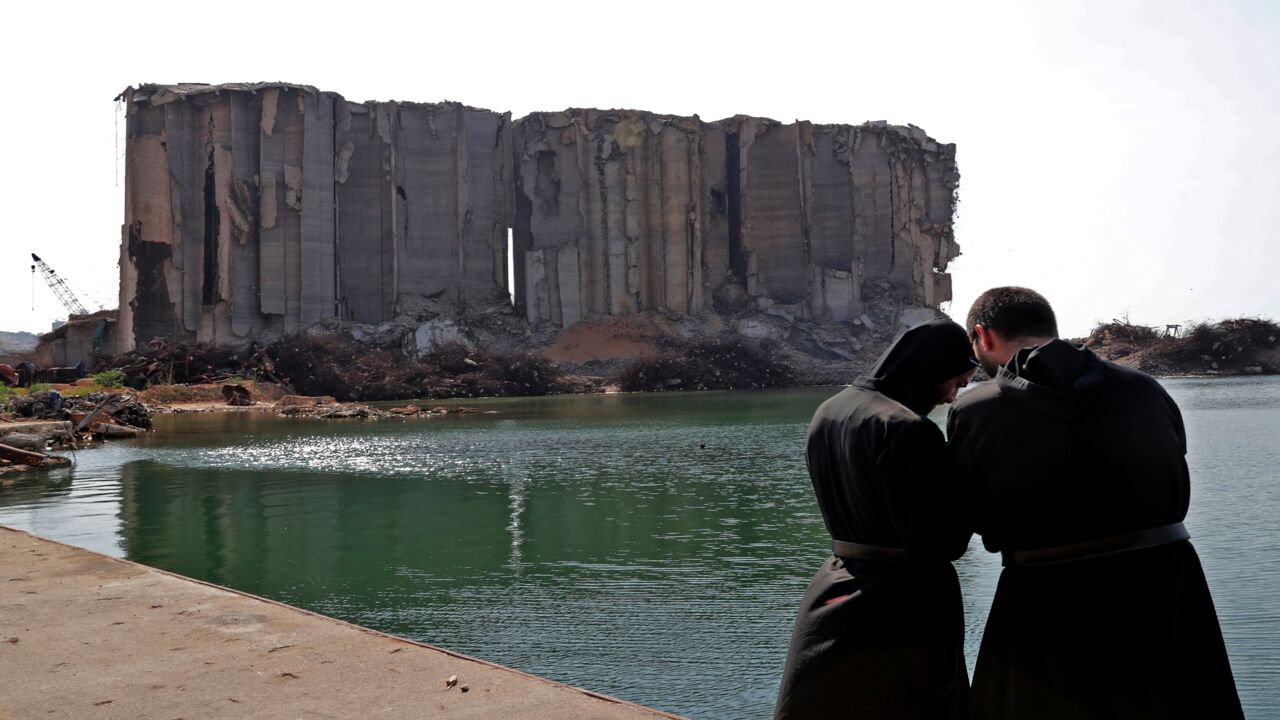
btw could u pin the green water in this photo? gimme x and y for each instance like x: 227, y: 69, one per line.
x: 587, y: 539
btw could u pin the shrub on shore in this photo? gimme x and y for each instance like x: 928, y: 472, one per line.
x: 109, y: 378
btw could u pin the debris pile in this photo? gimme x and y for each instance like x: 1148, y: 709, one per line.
x: 236, y: 395
x: 323, y: 407
x: 162, y: 363
x: 709, y: 365
x: 413, y: 410
x: 30, y: 424
x: 328, y: 408
x: 88, y: 412
x: 15, y: 460
x: 1238, y: 346
x: 289, y: 401
x: 1119, y: 339
x: 344, y: 368
x: 336, y: 411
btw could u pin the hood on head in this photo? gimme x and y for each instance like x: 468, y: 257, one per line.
x: 1056, y: 378
x: 924, y: 355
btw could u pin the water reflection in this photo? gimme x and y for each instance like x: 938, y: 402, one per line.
x: 35, y: 486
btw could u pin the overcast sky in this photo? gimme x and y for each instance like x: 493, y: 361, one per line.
x: 1121, y: 157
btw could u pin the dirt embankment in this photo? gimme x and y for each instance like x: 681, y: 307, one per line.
x: 1240, y: 346
x: 201, y: 394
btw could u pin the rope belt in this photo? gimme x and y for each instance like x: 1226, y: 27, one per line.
x: 858, y: 551
x: 1140, y: 540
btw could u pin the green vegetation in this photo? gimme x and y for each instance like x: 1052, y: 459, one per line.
x: 109, y: 378
x: 68, y: 391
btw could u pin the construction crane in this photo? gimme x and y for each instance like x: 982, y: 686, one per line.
x: 59, y: 287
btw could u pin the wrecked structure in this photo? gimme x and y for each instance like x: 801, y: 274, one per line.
x: 620, y: 211
x: 258, y: 210
x: 255, y: 211
x: 79, y: 340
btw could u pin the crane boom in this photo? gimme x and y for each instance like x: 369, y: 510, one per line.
x: 59, y: 287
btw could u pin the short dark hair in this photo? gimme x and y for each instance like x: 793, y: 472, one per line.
x: 1013, y: 312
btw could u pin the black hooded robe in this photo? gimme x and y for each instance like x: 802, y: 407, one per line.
x: 1063, y: 448
x: 878, y: 639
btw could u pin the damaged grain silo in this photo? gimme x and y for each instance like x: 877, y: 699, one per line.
x: 625, y: 211
x: 258, y: 210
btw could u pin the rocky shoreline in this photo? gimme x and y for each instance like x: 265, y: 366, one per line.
x: 35, y: 426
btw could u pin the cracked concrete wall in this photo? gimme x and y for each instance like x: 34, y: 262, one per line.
x: 623, y: 211
x: 257, y: 210
x: 828, y: 208
x: 609, y: 209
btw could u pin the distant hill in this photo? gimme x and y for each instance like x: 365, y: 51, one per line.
x: 17, y: 342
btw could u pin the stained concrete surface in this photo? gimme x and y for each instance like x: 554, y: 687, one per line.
x: 83, y: 635
x: 256, y: 210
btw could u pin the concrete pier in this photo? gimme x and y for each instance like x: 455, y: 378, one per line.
x: 83, y: 635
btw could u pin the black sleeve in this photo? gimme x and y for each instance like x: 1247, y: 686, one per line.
x: 960, y: 459
x: 920, y: 490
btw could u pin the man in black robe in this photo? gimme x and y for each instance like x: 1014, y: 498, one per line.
x: 1074, y: 469
x: 880, y: 633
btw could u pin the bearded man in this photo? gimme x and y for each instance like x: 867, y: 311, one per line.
x: 1073, y: 469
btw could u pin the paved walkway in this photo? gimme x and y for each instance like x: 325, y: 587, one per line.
x: 83, y: 635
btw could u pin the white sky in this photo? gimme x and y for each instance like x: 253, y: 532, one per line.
x: 1119, y: 157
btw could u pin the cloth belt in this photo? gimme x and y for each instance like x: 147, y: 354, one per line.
x: 858, y: 551
x: 1142, y: 539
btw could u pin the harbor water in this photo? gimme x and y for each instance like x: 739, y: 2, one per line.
x: 651, y: 547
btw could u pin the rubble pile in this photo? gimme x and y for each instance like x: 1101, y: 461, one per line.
x: 162, y: 363
x: 412, y: 410
x: 709, y: 365
x: 349, y: 370
x: 1238, y: 346
x: 14, y: 459
x: 101, y: 408
x: 333, y: 411
x: 30, y: 424
x: 435, y: 348
x: 327, y: 408
x: 345, y: 368
x: 1118, y: 339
